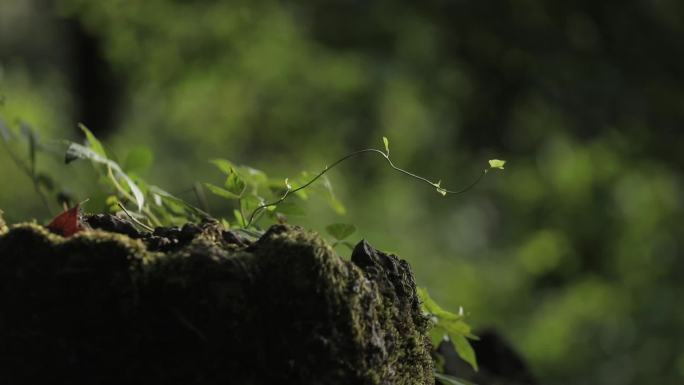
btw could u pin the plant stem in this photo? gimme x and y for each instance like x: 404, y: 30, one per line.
x: 30, y: 172
x: 351, y: 155
x: 137, y: 222
x: 153, y: 219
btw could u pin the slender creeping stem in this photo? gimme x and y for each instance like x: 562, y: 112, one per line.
x: 137, y: 222
x: 152, y: 218
x: 385, y: 155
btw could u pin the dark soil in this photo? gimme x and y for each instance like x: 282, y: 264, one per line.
x: 165, y: 238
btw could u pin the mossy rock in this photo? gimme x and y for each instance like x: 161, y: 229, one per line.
x: 101, y: 308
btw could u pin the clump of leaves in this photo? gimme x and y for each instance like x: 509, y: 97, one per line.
x: 250, y: 190
x: 152, y: 204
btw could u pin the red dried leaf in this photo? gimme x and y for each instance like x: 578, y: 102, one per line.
x: 67, y: 223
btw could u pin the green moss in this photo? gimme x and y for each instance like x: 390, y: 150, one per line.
x: 100, y: 307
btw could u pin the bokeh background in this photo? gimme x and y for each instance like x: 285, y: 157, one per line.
x: 574, y: 252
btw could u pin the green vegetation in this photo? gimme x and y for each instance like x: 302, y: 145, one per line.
x: 247, y: 187
x: 573, y: 253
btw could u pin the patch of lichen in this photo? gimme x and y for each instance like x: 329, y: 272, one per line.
x: 99, y: 308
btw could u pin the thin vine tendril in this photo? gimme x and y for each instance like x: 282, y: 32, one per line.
x: 385, y: 155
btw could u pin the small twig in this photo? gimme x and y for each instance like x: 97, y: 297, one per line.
x: 137, y: 222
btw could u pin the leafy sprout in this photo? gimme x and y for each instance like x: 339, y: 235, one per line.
x: 340, y: 232
x: 153, y: 204
x: 449, y: 326
x: 497, y: 163
x: 95, y: 153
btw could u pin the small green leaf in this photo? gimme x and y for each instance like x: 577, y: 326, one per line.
x: 72, y: 153
x: 175, y: 204
x: 340, y: 231
x: 252, y: 175
x: 239, y: 219
x: 455, y: 327
x: 333, y: 202
x: 437, y: 335
x: 299, y: 182
x: 497, y: 163
x: 464, y: 350
x: 250, y: 203
x: 224, y: 165
x: 76, y: 151
x: 235, y: 184
x: 223, y: 193
x: 290, y: 209
x: 336, y: 205
x: 431, y: 307
x: 438, y: 187
x: 137, y: 193
x: 93, y: 143
x: 386, y: 142
x: 138, y: 159
x: 157, y: 199
x: 112, y: 200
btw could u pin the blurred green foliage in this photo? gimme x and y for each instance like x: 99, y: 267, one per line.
x: 574, y: 252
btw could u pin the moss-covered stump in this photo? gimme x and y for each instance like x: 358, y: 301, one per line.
x: 101, y: 308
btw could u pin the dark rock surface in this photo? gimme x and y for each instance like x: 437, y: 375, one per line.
x: 203, y: 305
